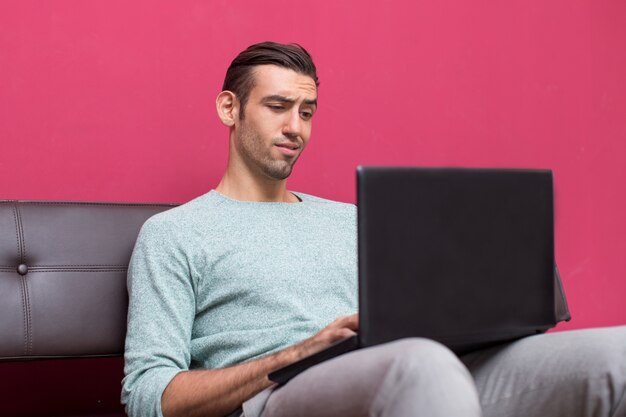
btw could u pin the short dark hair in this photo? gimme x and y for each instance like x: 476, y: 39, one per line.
x: 240, y: 74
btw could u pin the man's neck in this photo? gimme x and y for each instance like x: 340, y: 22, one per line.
x: 250, y: 188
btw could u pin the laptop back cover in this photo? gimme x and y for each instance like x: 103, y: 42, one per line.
x: 462, y: 256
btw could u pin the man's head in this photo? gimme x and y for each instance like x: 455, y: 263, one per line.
x: 277, y: 85
x: 240, y: 74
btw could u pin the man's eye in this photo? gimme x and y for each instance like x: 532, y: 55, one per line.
x: 276, y: 107
x: 306, y: 115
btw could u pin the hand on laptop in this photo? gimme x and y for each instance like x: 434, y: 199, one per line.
x: 341, y: 328
x: 222, y: 390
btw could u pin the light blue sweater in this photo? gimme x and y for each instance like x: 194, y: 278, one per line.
x: 216, y: 282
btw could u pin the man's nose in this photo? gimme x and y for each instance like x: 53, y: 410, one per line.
x: 293, y: 125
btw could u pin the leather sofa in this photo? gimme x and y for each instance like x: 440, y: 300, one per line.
x: 63, y: 305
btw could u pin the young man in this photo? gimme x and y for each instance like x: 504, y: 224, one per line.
x: 245, y: 279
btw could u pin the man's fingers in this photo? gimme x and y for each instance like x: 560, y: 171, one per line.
x: 345, y: 333
x: 351, y: 322
x: 341, y: 328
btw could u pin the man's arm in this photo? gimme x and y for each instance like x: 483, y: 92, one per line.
x: 217, y: 392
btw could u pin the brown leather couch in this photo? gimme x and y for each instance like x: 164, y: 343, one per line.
x: 63, y: 305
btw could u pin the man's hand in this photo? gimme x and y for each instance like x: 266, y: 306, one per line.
x: 342, y: 328
x: 217, y: 392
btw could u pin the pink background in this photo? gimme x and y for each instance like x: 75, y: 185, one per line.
x: 113, y: 100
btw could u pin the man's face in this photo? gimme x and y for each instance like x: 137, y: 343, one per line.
x: 277, y: 122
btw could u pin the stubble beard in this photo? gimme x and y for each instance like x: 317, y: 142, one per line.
x: 256, y: 155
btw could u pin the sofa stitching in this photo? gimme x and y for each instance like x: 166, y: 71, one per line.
x: 79, y: 270
x: 84, y: 266
x: 25, y: 324
x: 30, y: 318
x: 22, y: 237
x: 80, y: 266
x: 17, y: 234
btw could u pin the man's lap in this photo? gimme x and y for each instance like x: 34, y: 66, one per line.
x: 561, y: 373
x: 367, y: 381
x: 580, y: 372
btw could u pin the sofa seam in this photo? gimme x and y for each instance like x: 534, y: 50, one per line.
x: 85, y: 266
x: 24, y: 320
x: 17, y: 234
x: 79, y: 270
x: 80, y: 266
x: 22, y: 236
x: 30, y: 318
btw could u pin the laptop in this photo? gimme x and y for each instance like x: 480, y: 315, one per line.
x: 459, y: 255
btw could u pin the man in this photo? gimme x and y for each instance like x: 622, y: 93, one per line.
x: 247, y: 278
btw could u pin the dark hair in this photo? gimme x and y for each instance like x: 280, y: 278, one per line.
x: 240, y: 74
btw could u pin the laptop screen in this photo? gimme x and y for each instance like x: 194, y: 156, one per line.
x: 462, y: 256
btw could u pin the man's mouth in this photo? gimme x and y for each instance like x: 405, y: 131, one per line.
x: 287, y: 148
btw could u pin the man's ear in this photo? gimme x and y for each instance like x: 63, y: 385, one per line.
x: 227, y: 107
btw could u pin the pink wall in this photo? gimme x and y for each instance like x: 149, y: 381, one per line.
x: 113, y: 100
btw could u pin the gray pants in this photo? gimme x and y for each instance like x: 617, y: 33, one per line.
x: 568, y: 374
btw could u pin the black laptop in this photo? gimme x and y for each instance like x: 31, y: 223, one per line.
x: 461, y: 256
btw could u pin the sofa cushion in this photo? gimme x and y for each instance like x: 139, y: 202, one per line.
x: 63, y: 295
x: 63, y: 276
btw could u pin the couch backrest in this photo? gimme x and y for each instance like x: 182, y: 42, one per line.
x: 63, y: 276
